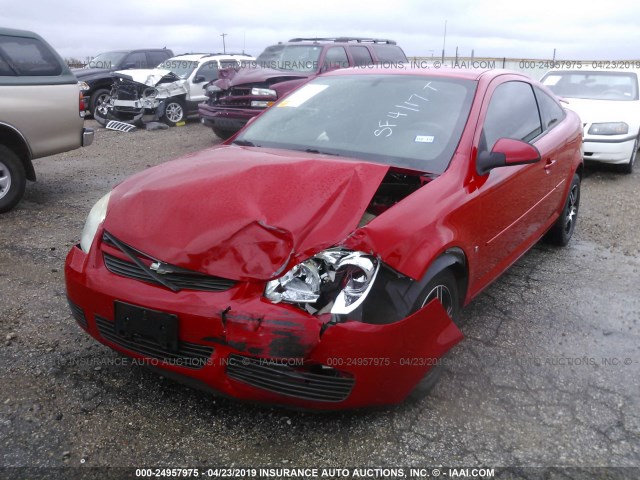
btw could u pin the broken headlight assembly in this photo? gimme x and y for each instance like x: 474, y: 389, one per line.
x: 335, y: 280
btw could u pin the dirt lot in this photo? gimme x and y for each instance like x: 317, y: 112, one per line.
x: 548, y: 374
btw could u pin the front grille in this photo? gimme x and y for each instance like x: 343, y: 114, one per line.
x: 127, y: 90
x: 174, y: 278
x: 190, y: 355
x: 77, y: 313
x: 328, y: 386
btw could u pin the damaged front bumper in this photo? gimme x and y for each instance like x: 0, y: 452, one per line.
x: 138, y: 97
x: 224, y: 118
x: 238, y: 344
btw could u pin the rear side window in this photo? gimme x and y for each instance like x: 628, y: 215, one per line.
x: 156, y: 58
x: 361, y: 56
x: 513, y: 113
x: 336, y: 57
x: 135, y: 60
x: 550, y: 112
x: 27, y: 56
x: 389, y: 53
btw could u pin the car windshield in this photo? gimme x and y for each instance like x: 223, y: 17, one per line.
x: 410, y: 121
x: 292, y: 58
x: 181, y: 67
x: 106, y: 60
x: 593, y: 85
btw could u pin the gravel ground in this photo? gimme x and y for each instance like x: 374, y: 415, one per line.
x: 546, y: 376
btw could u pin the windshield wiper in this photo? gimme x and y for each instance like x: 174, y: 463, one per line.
x: 313, y: 150
x: 243, y: 143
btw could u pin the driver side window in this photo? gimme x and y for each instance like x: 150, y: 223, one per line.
x: 209, y: 71
x: 513, y: 113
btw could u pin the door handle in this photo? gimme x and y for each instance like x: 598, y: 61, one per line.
x: 550, y: 163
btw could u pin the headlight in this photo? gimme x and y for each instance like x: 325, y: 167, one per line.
x: 84, y: 86
x: 94, y: 219
x: 611, y: 128
x: 264, y: 92
x: 338, y: 279
x: 150, y: 92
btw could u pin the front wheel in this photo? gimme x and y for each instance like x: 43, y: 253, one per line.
x: 173, y: 112
x: 443, y: 287
x: 562, y: 230
x: 99, y: 102
x: 12, y: 179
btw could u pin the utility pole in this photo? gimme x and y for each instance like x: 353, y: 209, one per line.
x: 224, y: 47
x: 444, y: 39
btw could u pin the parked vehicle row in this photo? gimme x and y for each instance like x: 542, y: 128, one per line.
x: 170, y: 92
x: 238, y: 96
x: 354, y: 217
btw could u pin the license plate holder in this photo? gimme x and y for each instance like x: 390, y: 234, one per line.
x: 161, y: 327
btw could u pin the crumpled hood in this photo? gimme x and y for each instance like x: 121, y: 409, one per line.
x: 600, y: 111
x: 240, y: 212
x: 150, y: 77
x: 255, y: 74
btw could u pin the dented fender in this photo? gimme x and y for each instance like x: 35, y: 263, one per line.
x: 389, y: 360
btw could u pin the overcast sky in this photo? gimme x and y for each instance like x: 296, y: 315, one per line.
x: 577, y: 30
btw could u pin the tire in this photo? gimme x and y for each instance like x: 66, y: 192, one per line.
x: 13, y: 179
x: 562, y: 231
x: 628, y: 167
x: 97, y: 100
x: 443, y: 285
x: 173, y: 112
x: 223, y: 134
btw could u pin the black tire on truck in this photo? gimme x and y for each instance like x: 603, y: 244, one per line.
x: 98, y: 99
x: 13, y: 179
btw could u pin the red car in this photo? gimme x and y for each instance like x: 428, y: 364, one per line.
x: 320, y: 258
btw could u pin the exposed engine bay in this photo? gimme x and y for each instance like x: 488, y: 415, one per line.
x: 142, y: 97
x: 395, y: 186
x: 338, y: 281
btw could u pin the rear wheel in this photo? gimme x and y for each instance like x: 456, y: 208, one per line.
x: 562, y: 230
x: 443, y: 287
x: 12, y: 179
x: 223, y: 134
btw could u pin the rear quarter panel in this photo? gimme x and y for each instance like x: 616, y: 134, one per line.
x: 46, y: 115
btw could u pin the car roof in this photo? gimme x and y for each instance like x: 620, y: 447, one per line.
x: 218, y: 56
x: 18, y: 33
x: 324, y: 40
x: 593, y: 70
x: 469, y: 74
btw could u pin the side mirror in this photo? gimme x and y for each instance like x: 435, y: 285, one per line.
x: 128, y: 65
x: 506, y: 152
x: 199, y: 79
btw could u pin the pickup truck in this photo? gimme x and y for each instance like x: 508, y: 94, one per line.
x: 41, y: 110
x: 96, y: 77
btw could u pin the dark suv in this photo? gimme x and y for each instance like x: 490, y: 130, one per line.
x: 95, y: 78
x: 237, y: 96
